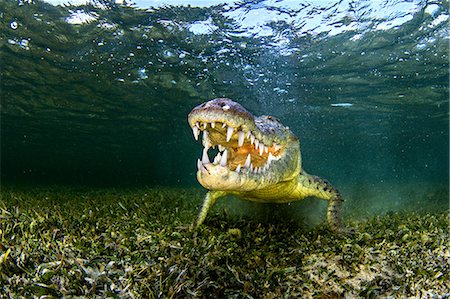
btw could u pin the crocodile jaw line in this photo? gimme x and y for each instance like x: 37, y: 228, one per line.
x: 241, y: 154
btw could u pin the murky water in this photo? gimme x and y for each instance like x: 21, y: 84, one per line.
x: 98, y: 94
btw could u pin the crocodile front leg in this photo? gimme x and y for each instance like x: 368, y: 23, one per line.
x: 210, y: 199
x: 310, y: 185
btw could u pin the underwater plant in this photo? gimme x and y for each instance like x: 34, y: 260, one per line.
x: 63, y: 242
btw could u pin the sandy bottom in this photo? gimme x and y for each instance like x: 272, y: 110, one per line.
x: 66, y: 242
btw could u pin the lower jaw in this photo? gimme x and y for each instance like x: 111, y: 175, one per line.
x: 223, y: 179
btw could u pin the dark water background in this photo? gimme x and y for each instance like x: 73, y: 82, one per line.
x: 364, y: 84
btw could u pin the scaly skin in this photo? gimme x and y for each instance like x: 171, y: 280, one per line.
x: 263, y: 160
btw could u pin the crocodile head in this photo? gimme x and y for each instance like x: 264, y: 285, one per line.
x: 252, y: 153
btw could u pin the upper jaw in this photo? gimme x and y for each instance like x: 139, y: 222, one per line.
x: 220, y: 110
x: 232, y: 116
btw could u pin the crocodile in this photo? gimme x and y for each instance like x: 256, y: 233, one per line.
x: 258, y: 159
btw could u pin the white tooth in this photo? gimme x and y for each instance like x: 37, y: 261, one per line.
x: 199, y: 164
x: 270, y: 159
x: 213, y: 124
x: 238, y: 168
x: 205, y: 158
x: 251, y: 167
x: 248, y: 134
x: 221, y: 148
x: 247, y: 162
x: 256, y: 143
x: 230, y: 131
x: 205, y: 137
x: 224, y: 125
x: 197, y: 125
x: 201, y: 167
x: 266, y: 149
x: 204, y: 126
x: 252, y: 138
x: 240, y: 138
x: 277, y: 147
x: 261, y: 149
x: 223, y: 160
x: 217, y: 158
x: 196, y: 131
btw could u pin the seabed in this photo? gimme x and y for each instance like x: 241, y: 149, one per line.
x: 80, y: 243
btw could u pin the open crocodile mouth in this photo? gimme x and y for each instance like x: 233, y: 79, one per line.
x: 236, y: 141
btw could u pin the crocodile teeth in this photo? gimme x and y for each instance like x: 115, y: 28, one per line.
x: 252, y: 138
x: 222, y: 148
x: 196, y: 132
x: 230, y: 131
x: 241, y: 138
x: 276, y: 147
x: 200, y: 166
x: 217, y: 158
x: 238, y: 168
x: 206, y: 142
x: 256, y: 143
x: 205, y: 158
x: 224, y: 125
x: 261, y: 149
x: 223, y: 160
x: 213, y: 124
x: 247, y: 162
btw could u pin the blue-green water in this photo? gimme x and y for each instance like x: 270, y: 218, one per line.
x: 98, y: 190
x: 98, y: 94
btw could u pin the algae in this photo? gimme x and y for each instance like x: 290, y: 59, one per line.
x: 66, y: 242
